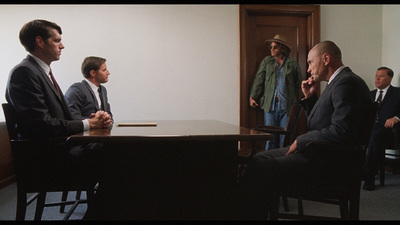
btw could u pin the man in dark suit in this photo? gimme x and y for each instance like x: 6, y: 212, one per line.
x: 89, y: 96
x: 333, y: 117
x: 388, y: 116
x: 42, y: 111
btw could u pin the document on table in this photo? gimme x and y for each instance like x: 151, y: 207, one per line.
x: 138, y: 124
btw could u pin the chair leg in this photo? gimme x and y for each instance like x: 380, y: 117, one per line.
x: 78, y: 195
x: 300, y: 206
x: 382, y: 168
x: 344, y: 209
x: 285, y: 203
x: 274, y: 210
x: 63, y: 199
x: 354, y: 212
x: 21, y: 206
x: 40, y: 206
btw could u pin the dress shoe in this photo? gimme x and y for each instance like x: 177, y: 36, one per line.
x: 369, y: 185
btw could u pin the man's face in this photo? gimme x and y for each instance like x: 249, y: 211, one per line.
x: 382, y: 79
x: 316, y: 66
x: 276, y: 49
x: 52, y: 47
x: 101, y: 75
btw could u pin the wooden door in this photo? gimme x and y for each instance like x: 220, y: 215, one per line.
x: 300, y: 26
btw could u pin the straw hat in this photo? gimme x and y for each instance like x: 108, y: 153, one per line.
x: 278, y: 39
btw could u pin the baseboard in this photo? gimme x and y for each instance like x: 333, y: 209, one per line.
x: 392, y: 153
x: 7, y: 181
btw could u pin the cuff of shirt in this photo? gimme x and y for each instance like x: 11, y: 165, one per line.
x: 86, y: 125
x: 397, y: 118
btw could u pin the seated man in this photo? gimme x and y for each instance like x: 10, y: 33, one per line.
x: 334, y: 117
x: 388, y: 116
x: 42, y: 111
x: 89, y: 96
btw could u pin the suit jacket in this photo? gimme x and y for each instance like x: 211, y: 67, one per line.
x: 390, y: 105
x: 40, y: 110
x: 343, y: 101
x: 82, y: 100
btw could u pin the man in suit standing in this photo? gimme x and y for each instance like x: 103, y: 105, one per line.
x: 334, y: 117
x: 89, y: 96
x: 42, y: 111
x: 388, y: 116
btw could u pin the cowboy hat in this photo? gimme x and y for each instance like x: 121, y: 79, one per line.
x: 278, y: 39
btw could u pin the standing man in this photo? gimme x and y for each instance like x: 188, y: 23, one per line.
x: 89, y: 96
x: 388, y: 116
x: 276, y: 86
x: 42, y: 111
x: 334, y: 117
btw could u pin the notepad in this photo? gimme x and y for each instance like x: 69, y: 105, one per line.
x: 140, y: 124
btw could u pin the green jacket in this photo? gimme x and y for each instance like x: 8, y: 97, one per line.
x: 263, y: 86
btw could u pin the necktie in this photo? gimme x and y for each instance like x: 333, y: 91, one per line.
x: 55, y: 83
x: 101, y: 98
x: 379, y: 97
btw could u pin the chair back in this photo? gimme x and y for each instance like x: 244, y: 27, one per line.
x: 11, y: 121
x: 297, y: 124
x: 366, y: 124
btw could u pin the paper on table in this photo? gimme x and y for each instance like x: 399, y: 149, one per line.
x: 140, y: 124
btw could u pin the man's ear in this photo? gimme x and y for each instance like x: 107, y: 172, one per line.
x: 39, y: 41
x: 92, y: 73
x: 326, y: 58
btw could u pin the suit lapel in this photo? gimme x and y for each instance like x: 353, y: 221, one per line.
x: 61, y: 98
x: 45, y: 77
x: 326, y: 92
x: 96, y: 104
x: 387, y: 95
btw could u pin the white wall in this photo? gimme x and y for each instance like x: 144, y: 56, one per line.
x: 357, y: 30
x: 390, y: 40
x: 182, y: 61
x: 166, y: 61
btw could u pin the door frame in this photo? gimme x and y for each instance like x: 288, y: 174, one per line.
x: 312, y: 12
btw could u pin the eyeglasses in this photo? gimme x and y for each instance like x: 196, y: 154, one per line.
x: 273, y: 47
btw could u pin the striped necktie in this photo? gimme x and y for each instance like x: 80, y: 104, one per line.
x: 379, y: 99
x: 55, y: 83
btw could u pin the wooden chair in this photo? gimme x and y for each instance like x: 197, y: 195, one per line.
x: 64, y: 198
x: 297, y: 124
x: 28, y: 182
x: 391, y: 154
x: 330, y: 186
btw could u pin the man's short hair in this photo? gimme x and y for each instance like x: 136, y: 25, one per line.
x: 91, y: 63
x: 388, y: 70
x: 34, y: 28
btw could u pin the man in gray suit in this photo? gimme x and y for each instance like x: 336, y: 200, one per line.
x: 334, y: 117
x: 88, y: 96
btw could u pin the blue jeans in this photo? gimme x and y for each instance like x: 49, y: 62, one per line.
x: 275, y: 118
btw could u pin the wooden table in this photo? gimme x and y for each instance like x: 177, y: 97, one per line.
x: 179, y: 169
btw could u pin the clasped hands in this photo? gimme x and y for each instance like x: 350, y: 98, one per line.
x: 100, y: 119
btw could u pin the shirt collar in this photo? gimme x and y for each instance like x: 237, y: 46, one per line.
x: 336, y: 73
x: 93, y: 86
x: 384, y: 90
x: 42, y: 64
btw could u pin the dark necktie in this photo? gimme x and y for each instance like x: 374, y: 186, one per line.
x: 101, y: 98
x: 55, y: 83
x: 379, y: 97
